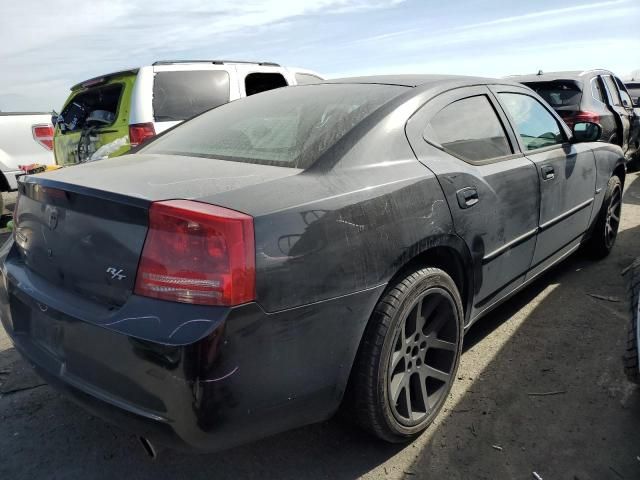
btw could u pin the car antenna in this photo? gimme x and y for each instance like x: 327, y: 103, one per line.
x: 539, y: 72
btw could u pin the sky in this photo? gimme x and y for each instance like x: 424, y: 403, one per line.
x: 46, y: 46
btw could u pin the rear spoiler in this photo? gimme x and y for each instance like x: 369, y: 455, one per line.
x: 102, y: 79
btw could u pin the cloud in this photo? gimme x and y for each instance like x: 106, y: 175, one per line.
x: 67, y: 40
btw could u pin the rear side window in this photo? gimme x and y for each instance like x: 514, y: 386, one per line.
x: 287, y: 127
x: 558, y: 94
x: 535, y: 125
x: 307, y: 78
x: 182, y: 94
x: 613, y: 90
x: 261, y: 82
x: 469, y: 129
x: 596, y: 90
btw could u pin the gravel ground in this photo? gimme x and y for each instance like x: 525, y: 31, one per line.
x: 554, y: 337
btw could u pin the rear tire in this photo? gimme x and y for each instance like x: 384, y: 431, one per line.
x: 408, y: 357
x: 630, y: 358
x: 605, y: 231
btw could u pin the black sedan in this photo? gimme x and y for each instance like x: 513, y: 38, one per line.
x: 268, y: 261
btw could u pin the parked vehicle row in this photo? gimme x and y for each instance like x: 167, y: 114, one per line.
x: 25, y: 139
x: 596, y: 96
x: 273, y: 259
x: 107, y: 115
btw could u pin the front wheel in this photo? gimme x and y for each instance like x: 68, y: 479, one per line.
x: 605, y: 231
x: 409, y: 356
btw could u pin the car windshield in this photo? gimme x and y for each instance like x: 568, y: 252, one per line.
x: 288, y: 127
x: 558, y: 94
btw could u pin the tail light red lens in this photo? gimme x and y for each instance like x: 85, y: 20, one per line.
x: 197, y: 253
x: 43, y: 134
x: 579, y: 117
x: 139, y: 132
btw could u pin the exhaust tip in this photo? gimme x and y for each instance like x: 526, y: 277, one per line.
x: 148, y: 447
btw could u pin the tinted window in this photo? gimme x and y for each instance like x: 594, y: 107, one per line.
x: 288, y: 127
x: 183, y: 94
x: 559, y: 93
x: 470, y: 129
x: 535, y: 125
x: 261, y: 82
x: 596, y: 90
x: 634, y: 91
x: 306, y: 78
x: 613, y: 89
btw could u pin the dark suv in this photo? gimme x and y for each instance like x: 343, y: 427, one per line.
x: 596, y: 96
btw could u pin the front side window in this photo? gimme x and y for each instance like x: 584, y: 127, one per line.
x: 534, y: 124
x: 286, y: 127
x: 469, y: 129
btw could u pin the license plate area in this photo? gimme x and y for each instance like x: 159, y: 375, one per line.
x: 46, y: 333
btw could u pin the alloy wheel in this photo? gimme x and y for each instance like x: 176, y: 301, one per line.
x: 424, y: 354
x: 612, y: 220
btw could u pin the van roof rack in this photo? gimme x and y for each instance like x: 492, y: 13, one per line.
x: 215, y: 62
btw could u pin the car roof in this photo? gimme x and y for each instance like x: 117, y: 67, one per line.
x: 419, y: 80
x: 576, y: 75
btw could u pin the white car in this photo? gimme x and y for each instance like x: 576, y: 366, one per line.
x: 25, y: 139
x: 107, y: 115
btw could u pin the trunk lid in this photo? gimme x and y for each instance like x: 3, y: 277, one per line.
x: 85, y: 242
x: 83, y: 228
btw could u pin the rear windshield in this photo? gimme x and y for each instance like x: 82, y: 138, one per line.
x: 180, y: 95
x: 289, y: 127
x: 92, y: 108
x: 558, y: 94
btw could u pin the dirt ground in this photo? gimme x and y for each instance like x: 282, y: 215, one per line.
x: 554, y: 337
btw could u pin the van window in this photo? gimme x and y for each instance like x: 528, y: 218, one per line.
x: 261, y: 82
x: 95, y: 107
x: 183, y: 94
x: 286, y: 127
x: 469, y: 129
x: 307, y: 78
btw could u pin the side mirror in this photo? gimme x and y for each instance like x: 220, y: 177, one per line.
x: 586, y: 132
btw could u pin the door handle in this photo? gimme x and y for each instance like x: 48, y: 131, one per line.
x: 547, y: 172
x: 467, y: 197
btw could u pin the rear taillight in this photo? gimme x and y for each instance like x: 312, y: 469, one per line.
x: 43, y: 134
x: 579, y: 117
x: 197, y: 253
x: 139, y: 132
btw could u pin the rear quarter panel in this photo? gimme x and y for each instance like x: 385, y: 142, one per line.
x: 348, y: 223
x: 17, y: 146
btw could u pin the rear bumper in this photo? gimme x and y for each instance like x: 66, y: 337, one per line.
x: 248, y: 375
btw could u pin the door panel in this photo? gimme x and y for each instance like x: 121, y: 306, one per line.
x: 566, y: 173
x: 566, y: 199
x: 494, y: 201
